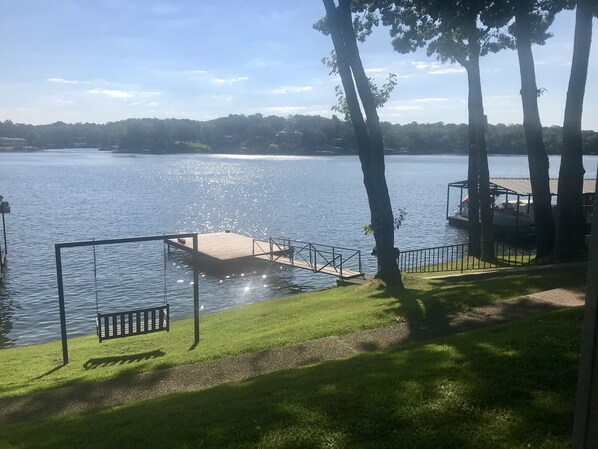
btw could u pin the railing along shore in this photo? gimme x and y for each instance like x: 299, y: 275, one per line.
x: 516, y: 251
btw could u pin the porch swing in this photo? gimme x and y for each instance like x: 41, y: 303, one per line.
x: 132, y: 322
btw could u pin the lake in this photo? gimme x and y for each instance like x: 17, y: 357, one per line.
x: 68, y: 195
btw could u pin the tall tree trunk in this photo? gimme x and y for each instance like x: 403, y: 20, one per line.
x: 536, y: 152
x: 370, y: 147
x: 477, y: 121
x: 570, y: 240
x: 473, y: 192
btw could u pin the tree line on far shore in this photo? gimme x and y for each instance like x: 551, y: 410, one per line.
x: 257, y: 134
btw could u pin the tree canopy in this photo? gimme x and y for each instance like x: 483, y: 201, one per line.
x: 256, y: 133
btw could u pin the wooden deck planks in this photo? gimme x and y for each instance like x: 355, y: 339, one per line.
x: 225, y: 247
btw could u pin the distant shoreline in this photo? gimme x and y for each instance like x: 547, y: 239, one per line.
x: 258, y: 134
x: 237, y: 153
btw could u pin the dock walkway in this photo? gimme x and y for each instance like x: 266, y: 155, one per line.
x: 325, y: 268
x: 220, y: 248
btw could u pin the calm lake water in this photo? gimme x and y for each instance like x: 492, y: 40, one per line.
x: 67, y: 195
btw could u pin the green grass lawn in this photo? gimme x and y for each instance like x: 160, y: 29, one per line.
x: 508, y: 386
x: 259, y: 326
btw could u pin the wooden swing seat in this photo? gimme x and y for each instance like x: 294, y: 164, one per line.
x: 133, y: 322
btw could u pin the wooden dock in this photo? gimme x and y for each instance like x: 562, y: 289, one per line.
x: 324, y: 268
x: 227, y: 248
x: 458, y: 221
x: 223, y: 246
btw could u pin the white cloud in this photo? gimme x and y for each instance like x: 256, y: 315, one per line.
x: 115, y: 93
x: 447, y: 71
x: 285, y: 110
x: 292, y: 90
x: 62, y: 81
x: 195, y: 72
x: 229, y: 81
x: 435, y: 68
x: 429, y: 100
x: 112, y: 93
x: 425, y: 65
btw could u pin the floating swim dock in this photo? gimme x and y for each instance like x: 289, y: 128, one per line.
x: 222, y: 248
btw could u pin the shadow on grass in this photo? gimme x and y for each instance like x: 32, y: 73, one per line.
x: 420, y: 321
x: 47, y: 373
x: 75, y: 396
x: 443, y: 297
x: 503, y: 387
x: 122, y: 360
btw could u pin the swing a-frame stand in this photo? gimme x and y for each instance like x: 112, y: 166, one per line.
x: 132, y: 322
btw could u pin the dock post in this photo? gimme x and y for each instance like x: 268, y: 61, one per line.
x: 360, y: 269
x: 448, y: 197
x: 196, y: 287
x: 63, y: 336
x: 4, y: 231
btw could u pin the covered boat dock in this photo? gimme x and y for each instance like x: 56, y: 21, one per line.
x: 517, y: 201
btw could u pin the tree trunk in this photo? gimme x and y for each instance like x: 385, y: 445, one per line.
x: 570, y: 242
x: 477, y: 124
x: 370, y: 147
x: 536, y: 152
x: 473, y: 192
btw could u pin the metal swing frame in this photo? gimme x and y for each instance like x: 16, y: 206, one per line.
x: 134, y: 319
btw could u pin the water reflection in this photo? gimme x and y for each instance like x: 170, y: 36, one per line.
x: 62, y: 196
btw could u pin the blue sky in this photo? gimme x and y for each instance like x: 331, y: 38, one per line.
x: 107, y: 60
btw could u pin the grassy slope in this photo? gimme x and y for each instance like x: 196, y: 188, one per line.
x: 508, y: 386
x: 258, y: 326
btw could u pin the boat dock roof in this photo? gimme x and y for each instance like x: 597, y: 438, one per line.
x: 523, y: 186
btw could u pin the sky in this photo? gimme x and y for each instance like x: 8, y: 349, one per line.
x: 107, y: 60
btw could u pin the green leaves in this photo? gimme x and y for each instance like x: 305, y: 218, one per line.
x: 398, y: 219
x: 381, y: 94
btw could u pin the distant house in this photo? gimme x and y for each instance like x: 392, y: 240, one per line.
x: 15, y: 144
x: 12, y: 142
x: 289, y: 137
